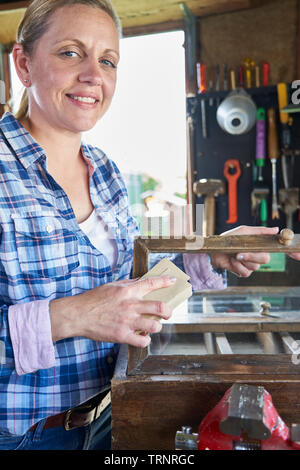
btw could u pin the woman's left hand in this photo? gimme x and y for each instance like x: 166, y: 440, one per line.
x: 243, y: 264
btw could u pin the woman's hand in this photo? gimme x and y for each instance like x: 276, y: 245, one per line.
x: 243, y: 264
x: 111, y: 313
x: 295, y: 256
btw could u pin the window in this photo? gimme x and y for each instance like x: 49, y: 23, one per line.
x: 144, y: 131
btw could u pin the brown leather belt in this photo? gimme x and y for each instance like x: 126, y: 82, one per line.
x: 82, y: 415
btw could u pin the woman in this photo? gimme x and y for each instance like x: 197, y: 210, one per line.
x: 67, y: 237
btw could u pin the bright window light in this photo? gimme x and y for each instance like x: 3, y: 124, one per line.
x: 144, y: 131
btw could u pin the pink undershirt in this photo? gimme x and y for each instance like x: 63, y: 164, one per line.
x: 29, y: 323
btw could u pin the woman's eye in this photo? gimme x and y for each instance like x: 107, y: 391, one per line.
x: 69, y: 53
x: 109, y: 63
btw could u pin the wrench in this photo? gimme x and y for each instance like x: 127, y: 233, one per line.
x: 232, y: 172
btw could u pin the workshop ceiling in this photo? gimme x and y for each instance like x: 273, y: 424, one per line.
x: 134, y: 14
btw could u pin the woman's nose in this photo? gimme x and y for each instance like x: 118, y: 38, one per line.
x: 91, y: 73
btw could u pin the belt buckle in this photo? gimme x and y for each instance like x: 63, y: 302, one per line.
x: 67, y: 420
x: 97, y: 411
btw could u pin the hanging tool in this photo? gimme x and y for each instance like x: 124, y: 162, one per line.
x: 273, y: 156
x: 245, y: 419
x: 257, y: 76
x: 237, y: 112
x: 210, y: 188
x: 201, y: 78
x: 289, y: 203
x: 266, y: 73
x: 202, y: 88
x: 260, y: 142
x: 203, y: 119
x: 261, y: 191
x: 232, y: 172
x: 218, y: 83
x: 289, y: 196
x: 225, y: 77
x: 248, y: 64
x: 286, y: 122
x: 232, y: 79
x: 241, y: 76
x: 210, y: 88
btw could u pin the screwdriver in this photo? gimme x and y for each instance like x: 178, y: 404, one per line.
x: 241, y: 76
x: 273, y: 156
x: 260, y: 142
x: 249, y: 64
x: 261, y: 190
x: 225, y: 77
x: 202, y: 87
x: 218, y: 87
x: 266, y: 73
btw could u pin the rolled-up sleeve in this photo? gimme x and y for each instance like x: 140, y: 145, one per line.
x: 202, y: 275
x: 31, y: 336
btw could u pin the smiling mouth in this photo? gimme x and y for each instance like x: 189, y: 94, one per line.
x: 83, y: 99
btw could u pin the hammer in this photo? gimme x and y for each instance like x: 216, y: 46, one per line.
x: 210, y: 188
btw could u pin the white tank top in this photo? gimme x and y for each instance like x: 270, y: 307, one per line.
x: 100, y: 237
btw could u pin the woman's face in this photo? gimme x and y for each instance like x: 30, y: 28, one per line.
x: 73, y: 69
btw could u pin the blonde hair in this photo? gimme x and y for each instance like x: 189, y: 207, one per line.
x: 36, y: 22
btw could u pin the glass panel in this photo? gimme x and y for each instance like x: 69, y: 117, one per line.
x: 181, y: 336
x: 202, y: 306
x: 197, y: 344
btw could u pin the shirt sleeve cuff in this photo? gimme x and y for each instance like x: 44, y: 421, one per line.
x: 31, y: 336
x: 202, y: 275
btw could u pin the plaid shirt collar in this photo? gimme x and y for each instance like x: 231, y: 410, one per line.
x: 26, y: 149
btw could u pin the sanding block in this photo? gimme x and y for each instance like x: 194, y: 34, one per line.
x: 174, y: 295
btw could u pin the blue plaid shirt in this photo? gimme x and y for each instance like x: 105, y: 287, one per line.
x: 45, y: 255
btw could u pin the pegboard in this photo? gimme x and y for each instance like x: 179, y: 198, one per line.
x: 211, y: 153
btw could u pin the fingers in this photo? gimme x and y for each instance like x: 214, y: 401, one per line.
x: 245, y: 230
x: 140, y: 328
x: 156, y: 308
x: 253, y: 258
x: 244, y: 264
x: 143, y: 287
x: 140, y: 317
x: 138, y: 340
x: 145, y: 316
x: 239, y: 268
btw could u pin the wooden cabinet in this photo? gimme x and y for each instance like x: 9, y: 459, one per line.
x: 215, y: 339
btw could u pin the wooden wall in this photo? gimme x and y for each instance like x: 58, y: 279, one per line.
x: 267, y: 33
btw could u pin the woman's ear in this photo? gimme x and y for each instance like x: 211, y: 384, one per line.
x: 21, y: 62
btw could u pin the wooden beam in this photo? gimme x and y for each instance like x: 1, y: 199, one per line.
x: 141, y: 12
x: 138, y: 16
x: 209, y: 343
x: 236, y: 324
x: 13, y: 5
x: 288, y: 342
x: 230, y: 244
x: 222, y: 343
x: 153, y: 28
x: 268, y: 342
